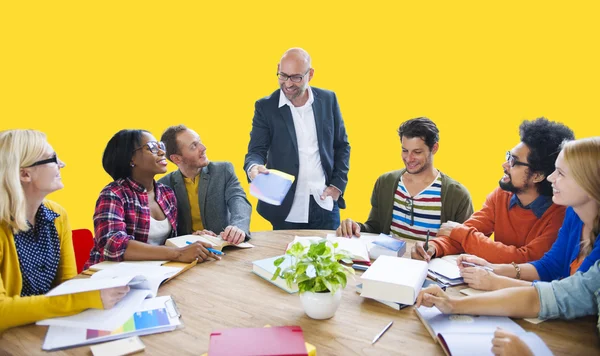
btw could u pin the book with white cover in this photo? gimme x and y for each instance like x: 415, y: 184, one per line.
x: 266, y: 269
x: 464, y: 334
x: 216, y: 242
x: 394, y: 279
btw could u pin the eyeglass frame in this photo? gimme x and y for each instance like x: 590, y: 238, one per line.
x: 410, y: 201
x: 154, y: 150
x: 512, y: 161
x: 53, y: 159
x: 297, y: 76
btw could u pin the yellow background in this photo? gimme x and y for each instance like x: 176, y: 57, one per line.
x: 82, y: 70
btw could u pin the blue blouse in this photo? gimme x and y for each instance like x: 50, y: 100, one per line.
x: 39, y: 253
x: 556, y: 263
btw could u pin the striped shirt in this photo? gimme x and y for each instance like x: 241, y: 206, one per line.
x: 412, y: 217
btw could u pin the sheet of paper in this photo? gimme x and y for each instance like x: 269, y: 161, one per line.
x: 444, y: 268
x: 99, y: 319
x: 326, y: 203
x: 88, y: 284
x: 121, y: 347
x: 355, y: 246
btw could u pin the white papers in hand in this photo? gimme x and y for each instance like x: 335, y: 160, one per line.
x: 326, y: 203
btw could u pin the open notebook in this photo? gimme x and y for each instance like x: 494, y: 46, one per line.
x: 464, y: 334
x: 216, y: 241
x: 142, y: 280
x: 154, y: 315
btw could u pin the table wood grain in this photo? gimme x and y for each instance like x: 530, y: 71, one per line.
x: 226, y: 294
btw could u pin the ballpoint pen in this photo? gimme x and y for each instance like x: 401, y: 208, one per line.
x: 382, y: 332
x: 216, y: 252
x: 426, y: 247
x: 474, y: 265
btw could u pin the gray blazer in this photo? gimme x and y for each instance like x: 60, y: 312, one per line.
x: 221, y: 198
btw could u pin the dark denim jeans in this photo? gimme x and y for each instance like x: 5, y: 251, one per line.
x: 318, y: 219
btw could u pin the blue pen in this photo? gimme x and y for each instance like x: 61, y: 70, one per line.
x: 216, y: 252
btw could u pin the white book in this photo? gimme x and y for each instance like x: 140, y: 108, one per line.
x: 460, y: 335
x: 394, y: 279
x: 266, y: 269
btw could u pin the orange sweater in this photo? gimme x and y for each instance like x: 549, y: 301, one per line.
x: 520, y: 236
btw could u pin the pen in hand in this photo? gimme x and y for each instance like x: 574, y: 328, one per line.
x: 382, y: 332
x: 426, y: 247
x: 210, y: 249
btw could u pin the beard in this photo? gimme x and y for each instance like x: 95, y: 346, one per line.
x: 296, y: 94
x: 509, y: 186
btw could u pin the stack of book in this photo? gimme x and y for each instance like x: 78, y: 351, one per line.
x: 394, y: 279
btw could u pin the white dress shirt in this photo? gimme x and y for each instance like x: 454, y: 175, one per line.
x: 311, y: 177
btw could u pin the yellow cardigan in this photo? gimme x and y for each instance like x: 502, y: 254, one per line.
x: 16, y: 310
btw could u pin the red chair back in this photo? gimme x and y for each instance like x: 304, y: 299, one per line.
x: 83, y: 241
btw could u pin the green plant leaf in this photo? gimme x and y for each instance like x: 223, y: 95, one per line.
x: 277, y: 273
x: 279, y: 261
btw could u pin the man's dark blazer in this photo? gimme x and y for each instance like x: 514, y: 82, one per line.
x: 273, y: 142
x: 221, y: 199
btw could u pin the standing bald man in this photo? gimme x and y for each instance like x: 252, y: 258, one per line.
x: 299, y: 130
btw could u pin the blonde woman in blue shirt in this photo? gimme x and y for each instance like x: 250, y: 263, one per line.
x: 36, y: 247
x: 576, y: 182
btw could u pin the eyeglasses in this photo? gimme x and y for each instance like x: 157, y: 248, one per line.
x: 512, y: 161
x: 294, y: 78
x: 53, y: 159
x: 153, y: 146
x: 410, y: 204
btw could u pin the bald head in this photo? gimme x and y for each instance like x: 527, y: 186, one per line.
x: 294, y: 72
x: 297, y: 55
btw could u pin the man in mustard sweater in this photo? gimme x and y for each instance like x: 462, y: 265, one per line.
x: 209, y: 195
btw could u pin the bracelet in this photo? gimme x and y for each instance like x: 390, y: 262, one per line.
x: 516, y: 266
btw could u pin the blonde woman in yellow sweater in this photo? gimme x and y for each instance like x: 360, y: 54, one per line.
x: 36, y: 249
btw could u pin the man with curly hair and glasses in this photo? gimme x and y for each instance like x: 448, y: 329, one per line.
x: 520, y: 213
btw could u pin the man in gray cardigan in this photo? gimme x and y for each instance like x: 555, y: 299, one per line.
x: 209, y: 196
x: 415, y: 201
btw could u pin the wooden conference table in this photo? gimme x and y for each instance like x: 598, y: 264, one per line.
x: 226, y: 294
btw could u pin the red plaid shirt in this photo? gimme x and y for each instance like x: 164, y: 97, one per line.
x: 123, y: 213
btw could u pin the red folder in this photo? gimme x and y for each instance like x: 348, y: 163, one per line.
x: 281, y: 340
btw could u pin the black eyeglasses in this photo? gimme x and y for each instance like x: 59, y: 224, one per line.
x: 410, y: 204
x: 512, y: 161
x: 53, y: 159
x: 153, y: 146
x: 294, y: 78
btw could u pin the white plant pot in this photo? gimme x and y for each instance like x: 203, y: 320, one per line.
x: 321, y: 305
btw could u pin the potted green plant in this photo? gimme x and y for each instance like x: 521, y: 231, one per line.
x: 318, y: 274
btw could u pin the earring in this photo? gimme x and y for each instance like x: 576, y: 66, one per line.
x: 132, y: 165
